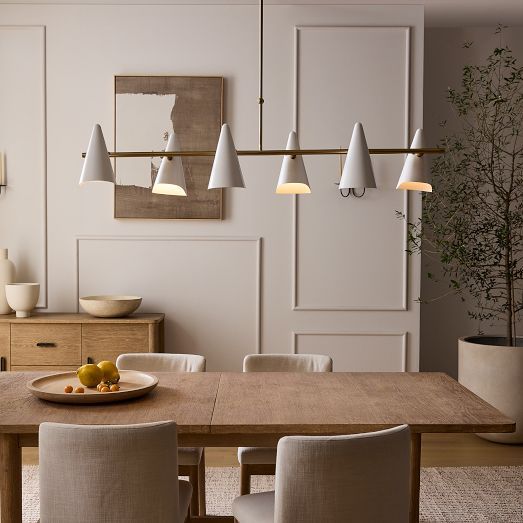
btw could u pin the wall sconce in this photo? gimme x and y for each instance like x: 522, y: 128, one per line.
x: 3, y: 174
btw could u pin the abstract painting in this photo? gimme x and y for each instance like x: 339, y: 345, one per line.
x: 147, y: 110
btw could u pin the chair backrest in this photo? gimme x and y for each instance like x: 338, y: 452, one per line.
x: 161, y: 362
x: 287, y: 363
x: 362, y: 478
x: 116, y: 473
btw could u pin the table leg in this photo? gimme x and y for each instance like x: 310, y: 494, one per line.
x: 10, y: 479
x: 415, y: 465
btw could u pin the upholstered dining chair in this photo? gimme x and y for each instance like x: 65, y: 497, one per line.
x: 362, y: 478
x: 258, y: 460
x: 117, y: 473
x: 191, y: 460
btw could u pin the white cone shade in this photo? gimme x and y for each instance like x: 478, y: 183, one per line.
x: 357, y: 171
x: 226, y: 171
x: 97, y: 165
x: 170, y: 178
x: 414, y: 174
x: 293, y: 177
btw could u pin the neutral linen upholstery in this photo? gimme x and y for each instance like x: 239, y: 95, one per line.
x: 257, y: 455
x: 192, y: 457
x: 155, y: 362
x: 110, y: 473
x: 361, y: 478
x: 278, y: 363
x: 287, y: 363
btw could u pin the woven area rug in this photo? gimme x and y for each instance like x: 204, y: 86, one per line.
x: 448, y: 495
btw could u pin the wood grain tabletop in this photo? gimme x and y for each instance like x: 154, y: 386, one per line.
x: 187, y: 398
x: 340, y: 403
x: 271, y: 403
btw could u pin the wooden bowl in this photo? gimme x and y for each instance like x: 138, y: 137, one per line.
x: 133, y: 384
x: 110, y: 306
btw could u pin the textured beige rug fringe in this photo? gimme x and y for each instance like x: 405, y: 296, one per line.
x: 448, y: 495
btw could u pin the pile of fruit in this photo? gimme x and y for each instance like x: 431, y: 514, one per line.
x: 104, y: 377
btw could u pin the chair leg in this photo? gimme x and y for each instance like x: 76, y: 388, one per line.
x: 245, y: 480
x: 193, y: 480
x: 201, y: 485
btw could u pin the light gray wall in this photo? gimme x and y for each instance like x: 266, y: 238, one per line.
x: 323, y: 274
x: 443, y: 321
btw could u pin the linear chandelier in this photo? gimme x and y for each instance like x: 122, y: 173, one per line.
x: 226, y: 171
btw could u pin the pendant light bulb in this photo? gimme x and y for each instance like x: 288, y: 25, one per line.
x: 170, y: 178
x: 226, y: 171
x: 97, y: 165
x: 414, y: 173
x: 357, y: 171
x: 293, y: 177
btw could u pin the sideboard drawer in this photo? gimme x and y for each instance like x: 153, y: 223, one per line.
x: 46, y: 344
x: 5, y: 346
x: 106, y: 342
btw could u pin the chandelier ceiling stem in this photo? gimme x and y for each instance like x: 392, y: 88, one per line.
x: 260, y: 95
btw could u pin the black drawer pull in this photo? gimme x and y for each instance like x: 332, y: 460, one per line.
x: 90, y: 360
x: 46, y: 344
x: 3, y: 364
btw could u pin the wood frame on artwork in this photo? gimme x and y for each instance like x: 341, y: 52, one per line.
x: 196, y: 116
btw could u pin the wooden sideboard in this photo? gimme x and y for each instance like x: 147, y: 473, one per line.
x: 61, y: 341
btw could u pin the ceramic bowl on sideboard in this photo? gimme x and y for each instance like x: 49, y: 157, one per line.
x: 22, y: 297
x: 110, y: 306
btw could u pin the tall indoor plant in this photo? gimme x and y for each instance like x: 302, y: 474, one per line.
x: 473, y: 224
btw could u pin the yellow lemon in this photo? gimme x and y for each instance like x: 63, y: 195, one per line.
x: 110, y: 372
x: 90, y: 375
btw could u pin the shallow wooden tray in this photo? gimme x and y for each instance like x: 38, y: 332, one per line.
x: 51, y: 388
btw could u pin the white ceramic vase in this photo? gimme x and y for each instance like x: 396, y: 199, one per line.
x: 494, y: 372
x: 22, y: 297
x: 7, y: 275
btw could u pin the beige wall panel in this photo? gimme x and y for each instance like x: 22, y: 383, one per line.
x: 207, y: 287
x: 357, y: 351
x: 23, y: 142
x: 350, y: 253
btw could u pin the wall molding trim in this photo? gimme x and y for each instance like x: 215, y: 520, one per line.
x: 43, y: 301
x: 403, y: 300
x: 257, y: 240
x: 403, y: 335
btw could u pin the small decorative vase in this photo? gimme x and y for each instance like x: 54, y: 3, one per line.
x: 7, y: 275
x: 22, y: 297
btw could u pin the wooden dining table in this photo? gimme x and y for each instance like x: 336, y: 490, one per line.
x: 253, y: 409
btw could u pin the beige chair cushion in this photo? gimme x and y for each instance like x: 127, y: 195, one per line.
x: 189, y: 455
x: 116, y: 473
x: 255, y: 508
x: 362, y: 478
x: 278, y: 363
x: 164, y: 362
x: 161, y: 362
x: 184, y: 497
x: 287, y: 363
x: 257, y: 456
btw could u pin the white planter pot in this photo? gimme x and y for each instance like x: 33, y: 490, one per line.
x: 494, y: 372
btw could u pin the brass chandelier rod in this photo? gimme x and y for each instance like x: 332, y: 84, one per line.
x: 269, y: 152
